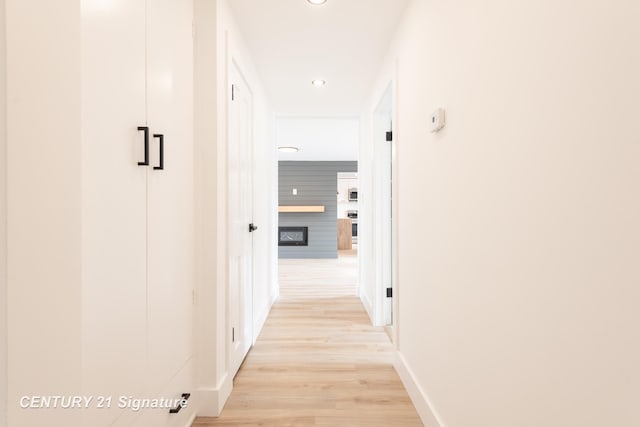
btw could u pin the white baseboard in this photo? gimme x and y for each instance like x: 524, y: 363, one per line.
x: 211, y: 401
x: 367, y: 306
x: 191, y: 420
x: 421, y: 401
x: 262, y: 318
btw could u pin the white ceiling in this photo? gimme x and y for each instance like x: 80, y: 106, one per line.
x: 293, y: 42
x: 318, y: 138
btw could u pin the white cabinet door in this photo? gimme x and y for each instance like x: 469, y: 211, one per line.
x: 170, y: 192
x: 114, y: 202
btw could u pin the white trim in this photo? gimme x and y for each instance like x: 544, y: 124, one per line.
x: 211, y: 401
x: 367, y: 305
x: 420, y: 399
x: 395, y: 207
x: 192, y: 418
x: 262, y: 319
x: 4, y: 344
x: 382, y: 117
x: 224, y: 391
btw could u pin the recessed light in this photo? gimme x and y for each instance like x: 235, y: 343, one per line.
x: 318, y: 82
x: 317, y: 2
x: 288, y: 149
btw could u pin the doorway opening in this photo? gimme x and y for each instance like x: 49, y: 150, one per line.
x: 347, y: 192
x: 318, y: 190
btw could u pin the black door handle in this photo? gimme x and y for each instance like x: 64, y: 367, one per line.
x: 252, y: 228
x: 161, y: 152
x: 145, y: 129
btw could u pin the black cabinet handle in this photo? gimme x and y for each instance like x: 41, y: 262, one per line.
x: 183, y: 402
x: 145, y: 129
x: 161, y: 148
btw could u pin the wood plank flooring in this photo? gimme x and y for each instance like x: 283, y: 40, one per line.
x: 318, y: 361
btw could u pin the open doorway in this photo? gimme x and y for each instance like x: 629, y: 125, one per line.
x: 318, y: 259
x: 318, y: 196
x: 347, y: 192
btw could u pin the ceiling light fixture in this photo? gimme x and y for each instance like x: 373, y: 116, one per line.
x: 318, y: 82
x: 317, y: 2
x: 288, y: 149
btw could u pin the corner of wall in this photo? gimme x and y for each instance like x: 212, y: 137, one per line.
x: 3, y: 223
x: 206, y: 327
x: 210, y: 401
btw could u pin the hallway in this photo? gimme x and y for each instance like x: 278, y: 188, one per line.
x: 318, y: 362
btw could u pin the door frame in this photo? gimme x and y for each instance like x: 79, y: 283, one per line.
x: 382, y: 215
x: 387, y: 94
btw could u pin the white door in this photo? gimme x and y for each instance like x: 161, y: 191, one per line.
x: 240, y: 211
x: 383, y: 209
x: 114, y: 203
x: 170, y: 194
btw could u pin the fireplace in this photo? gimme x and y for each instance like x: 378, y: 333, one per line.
x: 293, y: 236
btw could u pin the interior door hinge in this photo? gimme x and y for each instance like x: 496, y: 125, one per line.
x: 389, y: 136
x: 389, y: 292
x: 233, y: 334
x: 233, y: 92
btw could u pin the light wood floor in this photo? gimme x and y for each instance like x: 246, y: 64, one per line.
x: 318, y: 361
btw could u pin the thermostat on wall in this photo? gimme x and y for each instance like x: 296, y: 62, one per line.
x: 437, y: 120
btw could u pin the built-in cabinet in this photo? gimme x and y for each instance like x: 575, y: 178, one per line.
x: 137, y: 207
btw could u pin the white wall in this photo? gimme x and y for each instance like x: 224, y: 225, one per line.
x: 318, y: 138
x: 218, y: 41
x: 3, y: 220
x: 518, y: 223
x: 44, y: 176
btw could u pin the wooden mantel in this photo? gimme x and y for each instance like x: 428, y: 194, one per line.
x: 302, y: 209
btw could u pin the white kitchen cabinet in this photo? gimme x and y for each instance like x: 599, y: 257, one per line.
x: 137, y: 219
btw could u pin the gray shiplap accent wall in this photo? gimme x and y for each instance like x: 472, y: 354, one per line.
x: 317, y: 184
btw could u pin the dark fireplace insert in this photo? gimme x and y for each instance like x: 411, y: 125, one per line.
x: 293, y: 236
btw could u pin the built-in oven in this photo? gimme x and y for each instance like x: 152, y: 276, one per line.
x: 353, y: 214
x: 353, y: 194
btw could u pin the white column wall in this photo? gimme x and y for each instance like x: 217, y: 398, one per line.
x: 218, y: 41
x: 206, y: 190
